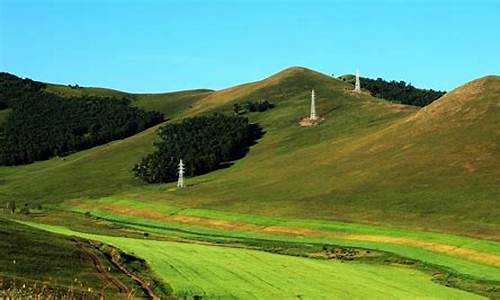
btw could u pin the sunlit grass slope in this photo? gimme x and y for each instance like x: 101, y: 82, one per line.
x: 169, y: 104
x: 107, y: 169
x: 30, y: 256
x: 221, y: 272
x: 369, y: 160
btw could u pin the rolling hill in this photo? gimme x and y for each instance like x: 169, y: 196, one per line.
x: 399, y: 179
x: 370, y: 160
x: 168, y: 103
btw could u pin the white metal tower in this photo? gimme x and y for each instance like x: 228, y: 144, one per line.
x: 313, y: 107
x: 357, y: 87
x: 180, y: 181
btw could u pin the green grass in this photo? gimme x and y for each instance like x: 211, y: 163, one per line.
x: 170, y: 104
x: 327, y: 226
x: 434, y: 250
x: 31, y: 255
x: 67, y: 91
x: 369, y: 161
x: 402, y: 172
x: 224, y: 272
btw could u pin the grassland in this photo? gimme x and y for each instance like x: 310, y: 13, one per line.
x: 170, y: 104
x: 369, y: 161
x: 221, y: 272
x: 463, y: 255
x: 37, y: 263
x: 420, y: 184
x: 34, y: 257
x: 68, y: 91
x: 469, y: 264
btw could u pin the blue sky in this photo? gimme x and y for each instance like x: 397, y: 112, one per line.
x: 153, y: 46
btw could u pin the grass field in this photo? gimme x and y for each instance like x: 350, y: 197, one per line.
x: 221, y: 272
x: 421, y: 184
x: 32, y: 256
x: 37, y: 263
x: 466, y: 256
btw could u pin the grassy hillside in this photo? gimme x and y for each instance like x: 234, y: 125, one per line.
x: 170, y: 104
x: 369, y: 160
x: 64, y: 90
x: 31, y: 258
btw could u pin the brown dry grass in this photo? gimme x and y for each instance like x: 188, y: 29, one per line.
x: 178, y: 219
x: 470, y: 254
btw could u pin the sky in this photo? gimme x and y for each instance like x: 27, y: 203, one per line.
x: 159, y: 46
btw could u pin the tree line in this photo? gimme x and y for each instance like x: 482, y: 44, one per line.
x: 13, y: 88
x: 42, y: 125
x: 204, y: 143
x: 399, y: 91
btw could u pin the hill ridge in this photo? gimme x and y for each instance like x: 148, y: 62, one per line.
x: 230, y: 94
x: 472, y: 100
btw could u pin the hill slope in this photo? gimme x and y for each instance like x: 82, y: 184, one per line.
x: 166, y: 103
x: 369, y: 160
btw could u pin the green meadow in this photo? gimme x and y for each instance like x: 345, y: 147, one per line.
x: 420, y: 186
x: 221, y: 272
x: 468, y: 256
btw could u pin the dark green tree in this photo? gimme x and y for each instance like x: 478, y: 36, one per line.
x: 42, y: 125
x: 204, y: 143
x: 400, y: 91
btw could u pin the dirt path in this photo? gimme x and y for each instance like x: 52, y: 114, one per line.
x: 101, y: 269
x: 144, y: 286
x: 112, y: 280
